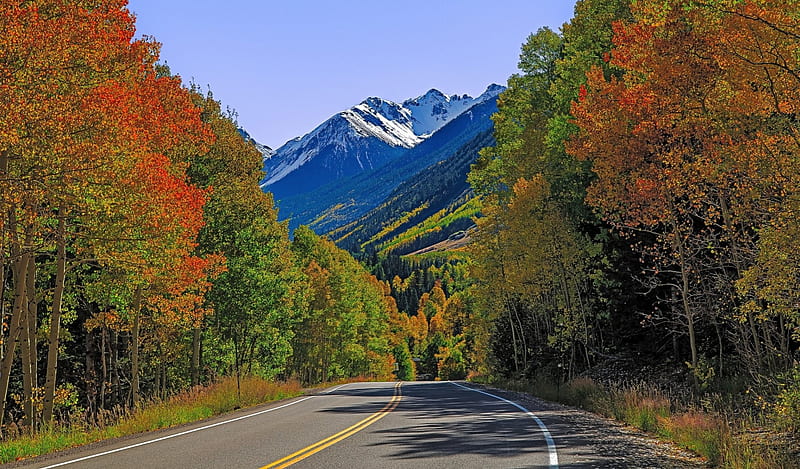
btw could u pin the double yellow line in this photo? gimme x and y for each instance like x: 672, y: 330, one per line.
x: 298, y: 456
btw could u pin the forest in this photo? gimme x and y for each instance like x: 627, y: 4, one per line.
x: 639, y: 200
x: 642, y: 191
x: 139, y: 256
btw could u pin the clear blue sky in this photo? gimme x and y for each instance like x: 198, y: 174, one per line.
x: 286, y: 66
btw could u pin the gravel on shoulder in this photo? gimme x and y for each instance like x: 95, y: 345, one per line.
x: 587, y: 440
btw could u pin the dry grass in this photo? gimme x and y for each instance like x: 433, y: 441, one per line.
x: 195, y: 404
x: 723, y: 444
x: 700, y: 432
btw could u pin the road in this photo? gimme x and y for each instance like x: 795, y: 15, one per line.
x: 382, y: 425
x: 385, y: 425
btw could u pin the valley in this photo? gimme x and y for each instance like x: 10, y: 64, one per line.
x: 616, y: 229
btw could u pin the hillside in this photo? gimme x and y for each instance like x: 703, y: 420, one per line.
x: 341, y: 202
x: 426, y: 209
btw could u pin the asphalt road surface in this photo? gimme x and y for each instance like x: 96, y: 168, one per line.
x: 381, y: 425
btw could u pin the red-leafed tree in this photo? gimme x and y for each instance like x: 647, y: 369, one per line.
x: 647, y: 136
x: 93, y: 149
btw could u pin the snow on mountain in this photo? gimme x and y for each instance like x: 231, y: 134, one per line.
x: 370, y: 132
x: 266, y: 151
x: 337, y: 141
x: 384, y: 120
x: 434, y: 109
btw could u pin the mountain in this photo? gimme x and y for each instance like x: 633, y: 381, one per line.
x: 362, y: 138
x: 340, y: 202
x: 265, y: 150
x: 431, y: 111
x: 432, y: 206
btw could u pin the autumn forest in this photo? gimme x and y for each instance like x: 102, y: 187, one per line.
x: 640, y: 199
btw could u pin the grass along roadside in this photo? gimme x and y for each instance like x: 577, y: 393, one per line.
x: 195, y: 404
x: 723, y: 443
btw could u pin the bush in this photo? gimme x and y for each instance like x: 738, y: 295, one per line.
x: 583, y: 393
x: 786, y: 411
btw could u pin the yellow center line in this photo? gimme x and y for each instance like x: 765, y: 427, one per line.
x: 298, y: 456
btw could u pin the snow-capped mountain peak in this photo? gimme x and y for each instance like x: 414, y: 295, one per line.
x: 266, y: 151
x: 434, y: 109
x: 365, y: 135
x: 384, y: 120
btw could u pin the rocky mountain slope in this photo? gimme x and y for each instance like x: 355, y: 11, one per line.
x: 362, y: 138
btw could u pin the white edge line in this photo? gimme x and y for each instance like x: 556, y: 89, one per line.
x: 92, y: 456
x: 336, y: 388
x: 551, y: 445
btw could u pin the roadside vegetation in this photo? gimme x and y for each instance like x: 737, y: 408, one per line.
x: 718, y: 433
x: 640, y: 200
x: 138, y: 256
x: 197, y: 403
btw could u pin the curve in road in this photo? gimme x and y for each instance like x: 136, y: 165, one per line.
x: 429, y: 424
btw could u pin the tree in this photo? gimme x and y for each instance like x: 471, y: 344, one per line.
x: 344, y: 327
x: 85, y: 109
x: 689, y: 149
x: 539, y: 261
x: 251, y: 328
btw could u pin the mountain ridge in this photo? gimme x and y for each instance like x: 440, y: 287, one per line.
x: 337, y: 203
x: 438, y: 191
x: 361, y: 138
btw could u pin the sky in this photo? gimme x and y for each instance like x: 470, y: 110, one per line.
x: 286, y: 66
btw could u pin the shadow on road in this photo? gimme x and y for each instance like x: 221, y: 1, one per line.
x: 438, y: 419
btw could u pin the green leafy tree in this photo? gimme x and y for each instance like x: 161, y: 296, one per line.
x: 252, y: 299
x: 343, y: 329
x: 539, y: 254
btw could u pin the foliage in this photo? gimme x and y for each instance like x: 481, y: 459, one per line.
x: 343, y: 324
x: 786, y: 412
x: 642, y: 195
x: 406, y: 370
x: 137, y: 250
x: 686, y: 152
x: 444, y: 224
x: 94, y: 147
x: 539, y: 261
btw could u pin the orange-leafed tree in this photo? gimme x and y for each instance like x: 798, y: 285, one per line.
x: 147, y: 225
x: 53, y: 156
x: 89, y: 121
x: 162, y: 222
x: 758, y: 48
x: 646, y: 135
x: 692, y: 148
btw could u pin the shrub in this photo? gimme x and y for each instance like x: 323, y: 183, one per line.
x: 786, y: 411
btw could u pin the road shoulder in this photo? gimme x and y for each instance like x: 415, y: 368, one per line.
x: 585, y: 439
